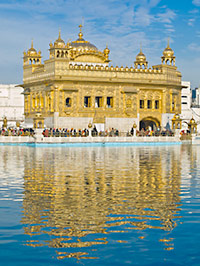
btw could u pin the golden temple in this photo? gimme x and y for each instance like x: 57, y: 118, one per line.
x: 76, y: 86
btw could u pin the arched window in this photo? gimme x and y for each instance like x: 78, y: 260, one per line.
x: 68, y: 102
x: 49, y: 101
x: 168, y: 62
x: 41, y: 102
x: 156, y: 104
x: 149, y: 104
x: 141, y: 104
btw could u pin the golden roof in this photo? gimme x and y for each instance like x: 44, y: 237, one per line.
x: 32, y: 50
x: 168, y: 52
x: 59, y: 42
x: 141, y: 57
x: 176, y: 117
x: 192, y: 121
x: 106, y: 50
x: 80, y: 43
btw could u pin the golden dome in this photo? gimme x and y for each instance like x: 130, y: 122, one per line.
x: 168, y: 52
x: 81, y: 44
x: 59, y: 42
x: 192, y: 121
x: 141, y: 61
x: 106, y: 50
x: 32, y: 50
x: 140, y: 58
x: 176, y: 117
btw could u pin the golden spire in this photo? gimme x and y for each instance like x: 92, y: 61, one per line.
x: 59, y: 42
x: 32, y: 49
x: 59, y: 35
x: 140, y: 47
x: 80, y: 35
x: 106, y: 50
x: 168, y: 42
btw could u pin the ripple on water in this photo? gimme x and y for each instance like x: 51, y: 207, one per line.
x: 101, y: 203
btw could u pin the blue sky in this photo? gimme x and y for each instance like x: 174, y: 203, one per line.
x: 123, y: 25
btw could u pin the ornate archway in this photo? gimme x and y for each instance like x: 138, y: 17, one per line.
x: 149, y: 122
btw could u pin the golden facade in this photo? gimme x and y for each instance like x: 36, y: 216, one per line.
x: 77, y: 86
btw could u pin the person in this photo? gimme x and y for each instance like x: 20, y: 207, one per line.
x: 132, y: 131
x: 94, y: 131
x: 46, y: 133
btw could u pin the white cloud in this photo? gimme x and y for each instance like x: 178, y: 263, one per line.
x: 194, y: 11
x: 121, y: 24
x: 142, y: 17
x: 166, y: 17
x: 194, y: 47
x: 191, y: 22
x: 198, y: 34
x: 196, y: 2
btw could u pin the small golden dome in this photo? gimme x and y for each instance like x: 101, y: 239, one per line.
x: 192, y: 121
x: 177, y: 117
x: 141, y: 60
x: 168, y: 52
x: 59, y: 42
x: 134, y: 125
x: 106, y: 50
x: 141, y: 57
x: 32, y: 50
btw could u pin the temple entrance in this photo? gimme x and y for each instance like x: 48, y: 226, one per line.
x: 149, y: 123
x: 38, y: 122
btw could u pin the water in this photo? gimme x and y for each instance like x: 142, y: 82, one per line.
x: 100, y: 205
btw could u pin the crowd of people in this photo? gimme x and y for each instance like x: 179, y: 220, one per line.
x: 156, y: 133
x: 16, y: 132
x: 64, y: 132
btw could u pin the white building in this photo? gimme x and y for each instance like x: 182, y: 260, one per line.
x: 188, y: 108
x: 196, y: 99
x: 11, y: 104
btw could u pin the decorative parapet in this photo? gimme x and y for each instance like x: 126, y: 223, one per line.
x: 112, y: 68
x: 63, y: 70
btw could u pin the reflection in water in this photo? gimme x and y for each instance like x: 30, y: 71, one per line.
x: 75, y: 197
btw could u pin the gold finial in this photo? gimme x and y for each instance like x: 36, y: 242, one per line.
x: 80, y: 35
x: 168, y: 42
x: 59, y: 35
x: 140, y: 47
x: 68, y: 43
x: 32, y: 43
